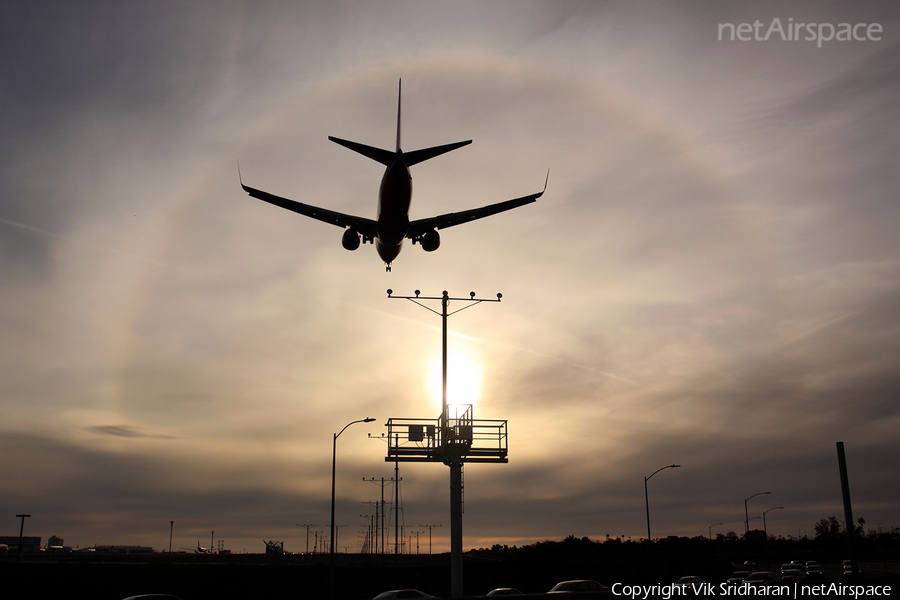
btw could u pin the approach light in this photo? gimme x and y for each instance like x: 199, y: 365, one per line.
x: 390, y: 292
x: 499, y: 295
x: 417, y: 293
x: 472, y: 295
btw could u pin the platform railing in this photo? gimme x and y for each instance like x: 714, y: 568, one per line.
x: 424, y: 440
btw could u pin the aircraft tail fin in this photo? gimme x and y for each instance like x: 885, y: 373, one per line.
x: 386, y: 157
x: 399, y: 96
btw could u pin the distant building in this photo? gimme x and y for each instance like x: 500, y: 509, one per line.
x: 54, y: 543
x: 124, y: 549
x: 757, y: 536
x: 29, y: 544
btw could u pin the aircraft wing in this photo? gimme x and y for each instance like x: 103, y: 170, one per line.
x: 366, y: 227
x: 421, y: 226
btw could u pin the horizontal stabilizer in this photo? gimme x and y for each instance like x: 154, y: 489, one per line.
x: 417, y: 156
x: 385, y: 157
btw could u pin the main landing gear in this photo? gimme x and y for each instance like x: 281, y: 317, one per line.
x: 387, y: 267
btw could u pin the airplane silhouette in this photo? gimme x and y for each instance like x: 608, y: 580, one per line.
x: 392, y: 225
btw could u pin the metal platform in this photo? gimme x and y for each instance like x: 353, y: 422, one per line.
x: 461, y: 439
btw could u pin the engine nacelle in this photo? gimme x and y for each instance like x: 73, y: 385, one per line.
x: 431, y: 241
x: 350, y: 239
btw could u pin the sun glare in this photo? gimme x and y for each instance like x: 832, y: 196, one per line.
x: 463, y: 379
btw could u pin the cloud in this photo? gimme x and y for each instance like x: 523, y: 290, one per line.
x: 125, y: 431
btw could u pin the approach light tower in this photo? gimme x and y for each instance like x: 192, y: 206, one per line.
x: 450, y: 439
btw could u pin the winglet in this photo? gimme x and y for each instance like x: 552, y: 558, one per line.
x: 545, y: 181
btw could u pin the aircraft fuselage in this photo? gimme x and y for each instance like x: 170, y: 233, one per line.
x: 394, y: 199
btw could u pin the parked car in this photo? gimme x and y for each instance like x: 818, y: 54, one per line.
x: 737, y: 577
x: 689, y: 580
x: 578, y: 585
x: 791, y: 572
x: 762, y: 578
x: 410, y: 593
x: 814, y: 570
x: 504, y: 592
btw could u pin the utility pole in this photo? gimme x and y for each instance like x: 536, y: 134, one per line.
x: 429, y: 535
x: 369, y: 544
x: 376, y: 504
x: 417, y: 532
x: 337, y: 529
x: 396, y: 507
x: 307, y: 533
x: 382, y: 484
x: 171, y: 528
x: 21, y: 532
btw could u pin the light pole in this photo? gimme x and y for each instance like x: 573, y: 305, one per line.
x: 333, y: 468
x: 453, y: 453
x: 429, y: 533
x: 710, y: 529
x: 746, y: 516
x: 171, y: 528
x: 307, y: 525
x: 766, y: 531
x: 21, y: 532
x: 646, y: 498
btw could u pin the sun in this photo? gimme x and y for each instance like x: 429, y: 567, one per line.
x: 463, y: 379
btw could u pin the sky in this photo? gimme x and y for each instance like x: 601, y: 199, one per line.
x: 712, y: 278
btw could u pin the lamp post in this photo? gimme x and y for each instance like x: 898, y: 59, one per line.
x: 307, y: 525
x: 647, y: 499
x: 766, y: 531
x: 171, y: 529
x: 21, y: 532
x: 429, y: 533
x: 710, y: 529
x: 746, y: 516
x: 333, y: 468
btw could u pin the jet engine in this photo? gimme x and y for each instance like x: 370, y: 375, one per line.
x: 350, y: 239
x: 431, y: 241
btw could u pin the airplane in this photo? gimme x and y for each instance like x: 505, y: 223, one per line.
x: 392, y: 225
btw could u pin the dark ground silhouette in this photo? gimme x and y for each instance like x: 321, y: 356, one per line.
x: 533, y: 569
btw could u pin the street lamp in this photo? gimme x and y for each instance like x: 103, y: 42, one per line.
x: 746, y: 517
x: 333, y: 466
x: 646, y: 498
x: 766, y: 531
x: 710, y: 528
x: 21, y: 531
